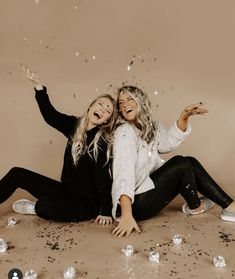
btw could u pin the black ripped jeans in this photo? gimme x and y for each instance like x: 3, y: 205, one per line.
x: 179, y: 175
x: 55, y: 201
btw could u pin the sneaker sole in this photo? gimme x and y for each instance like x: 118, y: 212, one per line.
x: 227, y: 218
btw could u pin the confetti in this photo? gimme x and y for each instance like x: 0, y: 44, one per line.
x: 131, y: 63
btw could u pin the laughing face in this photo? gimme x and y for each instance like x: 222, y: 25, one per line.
x: 127, y: 106
x: 99, y: 112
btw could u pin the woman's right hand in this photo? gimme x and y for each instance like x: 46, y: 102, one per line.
x: 126, y: 225
x: 32, y: 76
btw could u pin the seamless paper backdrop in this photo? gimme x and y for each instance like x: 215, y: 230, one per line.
x: 180, y: 51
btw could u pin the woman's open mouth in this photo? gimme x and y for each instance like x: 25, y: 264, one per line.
x: 128, y: 110
x: 98, y: 115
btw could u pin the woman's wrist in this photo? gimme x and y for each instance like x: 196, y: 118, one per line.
x: 38, y: 87
x: 125, y: 203
x: 182, y: 123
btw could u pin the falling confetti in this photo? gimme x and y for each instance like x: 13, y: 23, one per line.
x: 131, y: 63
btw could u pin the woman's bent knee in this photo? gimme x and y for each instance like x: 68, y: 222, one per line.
x: 15, y: 170
x: 43, y: 208
x: 181, y: 162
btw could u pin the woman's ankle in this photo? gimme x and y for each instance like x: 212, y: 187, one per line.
x: 199, y: 209
x: 231, y: 207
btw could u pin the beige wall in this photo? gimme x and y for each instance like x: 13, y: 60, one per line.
x: 192, y: 42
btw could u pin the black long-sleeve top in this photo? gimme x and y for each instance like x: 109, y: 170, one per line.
x: 89, y: 179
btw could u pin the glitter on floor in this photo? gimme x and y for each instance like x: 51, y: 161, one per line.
x: 49, y: 247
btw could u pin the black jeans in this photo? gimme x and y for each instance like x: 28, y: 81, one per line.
x: 179, y: 175
x: 55, y: 202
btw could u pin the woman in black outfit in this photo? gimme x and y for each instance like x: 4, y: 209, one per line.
x: 85, y: 188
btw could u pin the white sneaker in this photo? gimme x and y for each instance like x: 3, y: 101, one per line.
x: 227, y: 216
x: 207, y: 205
x: 24, y: 206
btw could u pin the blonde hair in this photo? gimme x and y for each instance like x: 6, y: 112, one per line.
x: 105, y: 132
x: 143, y: 119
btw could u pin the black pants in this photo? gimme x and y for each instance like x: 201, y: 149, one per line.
x: 55, y: 202
x: 179, y: 175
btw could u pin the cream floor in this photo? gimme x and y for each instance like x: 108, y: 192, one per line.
x: 49, y: 247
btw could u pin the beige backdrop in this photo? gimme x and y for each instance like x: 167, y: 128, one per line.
x: 184, y: 53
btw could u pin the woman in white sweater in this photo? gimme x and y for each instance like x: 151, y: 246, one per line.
x: 143, y: 184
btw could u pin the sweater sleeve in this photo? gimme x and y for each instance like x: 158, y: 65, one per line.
x: 102, y: 180
x: 61, y: 122
x: 170, y: 139
x: 124, y: 162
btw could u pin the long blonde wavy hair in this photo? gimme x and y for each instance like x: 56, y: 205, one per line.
x: 105, y: 132
x: 144, y: 120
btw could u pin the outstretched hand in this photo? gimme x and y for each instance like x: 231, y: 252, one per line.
x: 32, y: 76
x: 194, y: 109
x: 104, y: 220
x: 126, y: 225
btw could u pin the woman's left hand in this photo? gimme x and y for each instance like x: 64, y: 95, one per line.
x: 194, y: 109
x: 104, y: 220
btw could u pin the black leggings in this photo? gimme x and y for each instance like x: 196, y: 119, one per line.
x: 55, y: 202
x: 179, y: 175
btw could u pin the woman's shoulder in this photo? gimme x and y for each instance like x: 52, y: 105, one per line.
x: 125, y: 129
x: 125, y: 133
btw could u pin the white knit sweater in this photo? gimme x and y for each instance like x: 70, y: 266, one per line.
x: 134, y: 159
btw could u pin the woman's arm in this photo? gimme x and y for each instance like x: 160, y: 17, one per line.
x: 124, y: 181
x: 62, y: 122
x: 103, y: 183
x: 127, y: 222
x: 170, y: 139
x: 190, y: 110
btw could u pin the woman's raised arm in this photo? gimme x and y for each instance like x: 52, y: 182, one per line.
x: 61, y: 122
